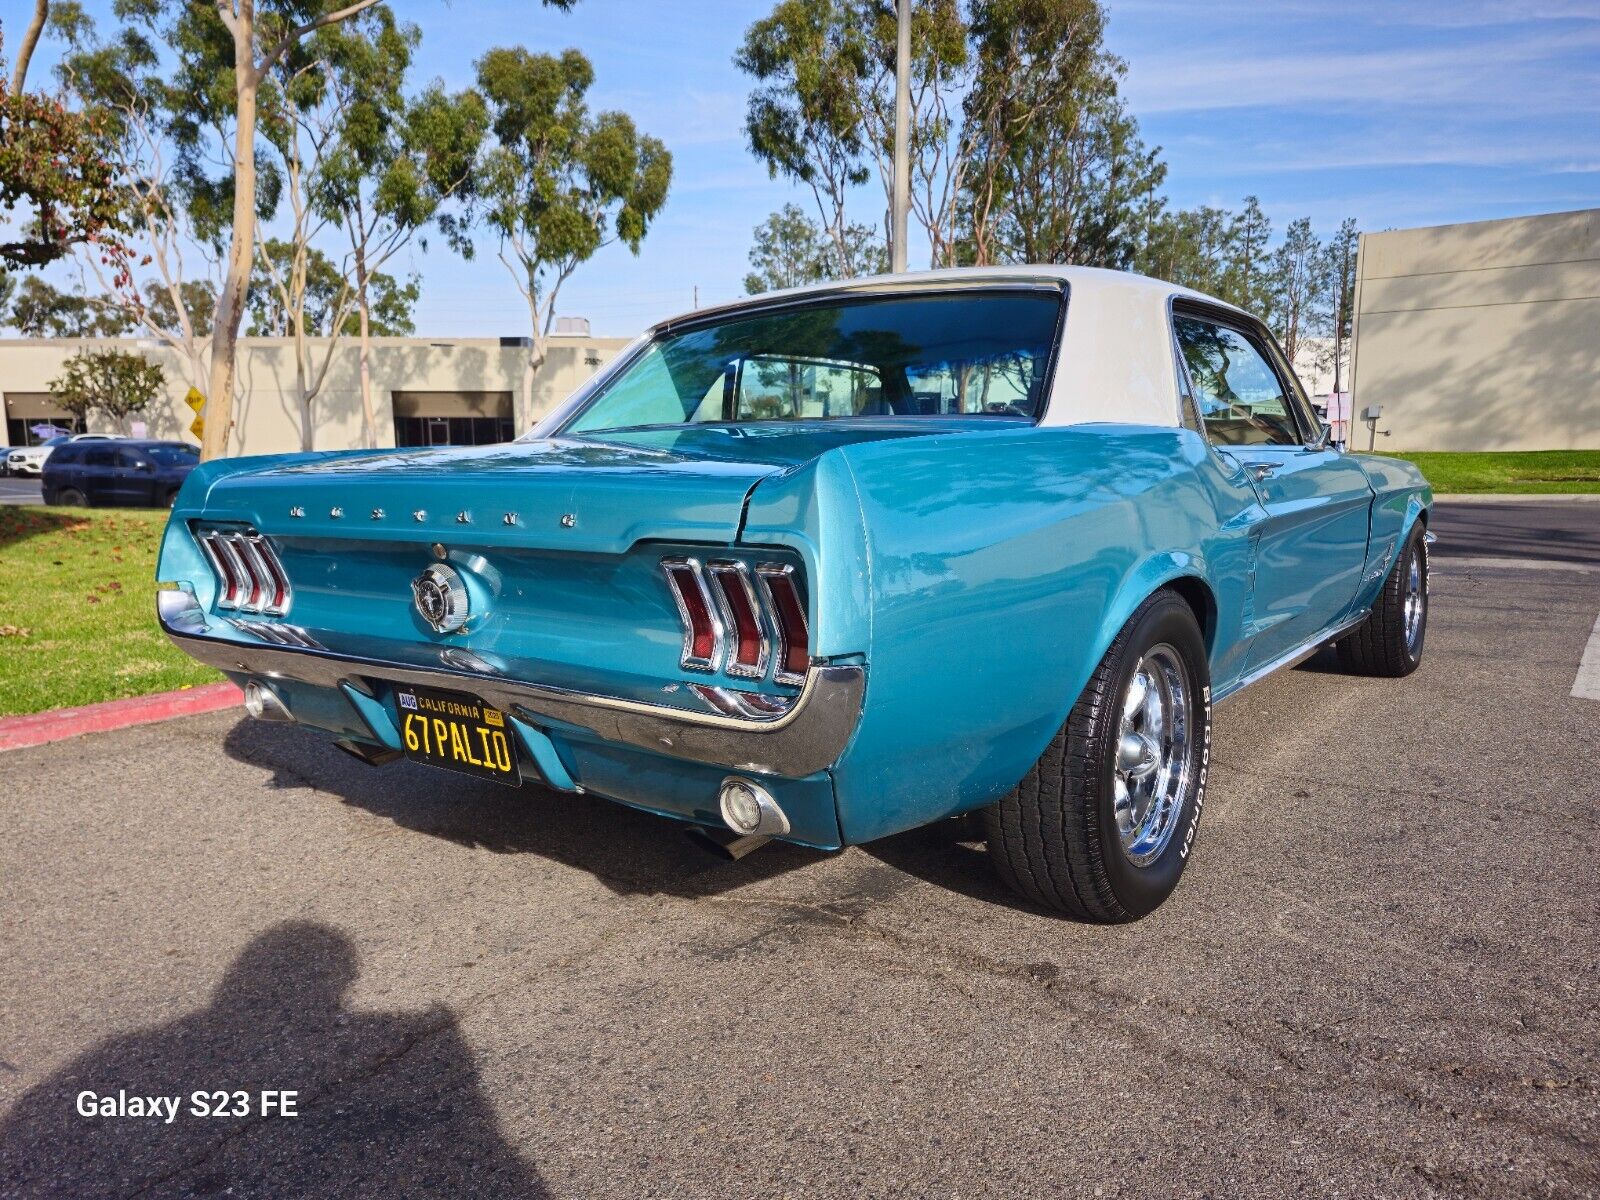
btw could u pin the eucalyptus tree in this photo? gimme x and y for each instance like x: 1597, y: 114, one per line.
x: 1074, y: 182
x: 555, y: 183
x: 168, y: 283
x: 805, y: 119
x: 392, y: 163
x: 1032, y: 58
x: 1339, y: 271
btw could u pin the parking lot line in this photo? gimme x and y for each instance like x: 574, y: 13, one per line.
x: 1587, y: 684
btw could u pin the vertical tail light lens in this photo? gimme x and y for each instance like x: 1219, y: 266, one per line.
x: 702, y: 628
x: 789, y: 616
x: 737, y: 597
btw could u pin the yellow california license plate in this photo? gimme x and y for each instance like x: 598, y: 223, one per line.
x: 457, y: 732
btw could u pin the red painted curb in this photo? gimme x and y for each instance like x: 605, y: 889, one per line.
x: 35, y: 729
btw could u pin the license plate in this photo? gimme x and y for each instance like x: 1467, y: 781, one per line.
x: 457, y: 732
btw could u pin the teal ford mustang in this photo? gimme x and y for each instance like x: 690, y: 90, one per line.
x: 833, y: 563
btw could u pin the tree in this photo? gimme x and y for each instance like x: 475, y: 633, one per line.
x: 1031, y: 57
x: 40, y: 310
x: 789, y: 250
x: 558, y: 183
x: 1298, y: 286
x: 1245, y: 279
x: 53, y: 170
x: 391, y: 166
x: 804, y: 120
x: 169, y: 286
x: 1339, y: 268
x: 322, y: 296
x: 1072, y: 184
x: 30, y: 39
x: 941, y: 72
x: 114, y: 382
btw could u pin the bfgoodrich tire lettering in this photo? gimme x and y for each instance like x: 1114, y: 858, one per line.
x: 1067, y: 837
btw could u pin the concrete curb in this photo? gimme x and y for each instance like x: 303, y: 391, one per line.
x: 35, y: 729
x: 1516, y: 497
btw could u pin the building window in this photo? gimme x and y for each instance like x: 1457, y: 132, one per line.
x: 34, y: 417
x: 452, y: 418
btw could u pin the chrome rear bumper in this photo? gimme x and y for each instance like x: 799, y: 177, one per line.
x: 802, y: 738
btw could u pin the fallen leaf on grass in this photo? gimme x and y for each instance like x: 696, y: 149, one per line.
x: 92, y: 598
x: 15, y: 631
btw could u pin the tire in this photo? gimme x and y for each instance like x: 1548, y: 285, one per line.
x: 1388, y: 644
x: 172, y: 498
x: 72, y: 498
x: 1055, y: 838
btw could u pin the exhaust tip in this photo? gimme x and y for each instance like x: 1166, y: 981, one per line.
x: 728, y: 846
x: 264, y: 704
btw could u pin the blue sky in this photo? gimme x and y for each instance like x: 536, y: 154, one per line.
x: 1410, y: 112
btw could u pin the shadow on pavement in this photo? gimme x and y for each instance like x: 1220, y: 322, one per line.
x: 389, y: 1103
x: 630, y: 852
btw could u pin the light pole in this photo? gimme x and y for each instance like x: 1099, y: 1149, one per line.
x: 902, y: 139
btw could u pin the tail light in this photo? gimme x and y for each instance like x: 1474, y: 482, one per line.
x: 794, y: 639
x: 702, y: 631
x: 744, y: 623
x: 250, y: 578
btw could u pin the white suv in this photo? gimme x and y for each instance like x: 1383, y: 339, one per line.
x: 29, y: 460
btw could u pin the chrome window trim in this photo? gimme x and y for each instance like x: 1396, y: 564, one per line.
x: 1254, y: 331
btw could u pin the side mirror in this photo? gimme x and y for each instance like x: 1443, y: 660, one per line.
x: 1323, y: 439
x: 144, y: 464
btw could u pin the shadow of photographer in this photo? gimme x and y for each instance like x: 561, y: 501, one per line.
x: 388, y: 1103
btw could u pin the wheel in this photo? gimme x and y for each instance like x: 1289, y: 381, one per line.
x: 1103, y: 824
x: 72, y: 498
x: 172, y: 498
x: 1389, y: 642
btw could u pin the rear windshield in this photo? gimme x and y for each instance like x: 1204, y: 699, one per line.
x: 175, y: 456
x: 971, y: 353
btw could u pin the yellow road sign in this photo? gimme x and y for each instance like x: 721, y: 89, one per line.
x: 199, y: 427
x: 195, y: 399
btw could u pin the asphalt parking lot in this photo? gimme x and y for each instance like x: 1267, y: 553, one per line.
x: 18, y: 489
x: 1377, y: 978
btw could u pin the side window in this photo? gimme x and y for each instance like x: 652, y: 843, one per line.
x: 1238, y: 393
x: 98, y: 456
x: 129, y: 458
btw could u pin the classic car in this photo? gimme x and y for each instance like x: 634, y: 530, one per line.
x: 834, y: 563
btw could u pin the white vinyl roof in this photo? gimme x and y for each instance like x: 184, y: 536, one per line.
x: 1116, y: 362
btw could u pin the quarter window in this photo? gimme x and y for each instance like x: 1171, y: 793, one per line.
x: 1240, y: 396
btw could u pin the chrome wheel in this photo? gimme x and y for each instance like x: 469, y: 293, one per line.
x: 1152, y: 766
x: 1416, y: 604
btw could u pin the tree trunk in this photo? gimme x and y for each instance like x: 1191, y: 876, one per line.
x: 30, y: 39
x: 230, y: 300
x: 367, y: 413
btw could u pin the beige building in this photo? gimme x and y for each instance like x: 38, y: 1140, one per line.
x: 1483, y: 336
x: 426, y: 391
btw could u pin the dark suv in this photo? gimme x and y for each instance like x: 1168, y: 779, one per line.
x: 117, y: 472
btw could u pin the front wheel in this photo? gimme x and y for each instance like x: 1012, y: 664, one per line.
x: 72, y: 498
x: 1102, y: 826
x: 1389, y: 642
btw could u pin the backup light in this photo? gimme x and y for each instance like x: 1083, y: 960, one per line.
x: 749, y: 808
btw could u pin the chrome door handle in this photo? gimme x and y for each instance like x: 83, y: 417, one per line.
x: 1260, y: 470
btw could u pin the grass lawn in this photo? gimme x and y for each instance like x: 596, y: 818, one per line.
x: 1553, y: 471
x: 77, y: 609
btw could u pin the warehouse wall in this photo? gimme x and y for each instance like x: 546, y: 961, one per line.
x: 268, y: 417
x: 1483, y: 336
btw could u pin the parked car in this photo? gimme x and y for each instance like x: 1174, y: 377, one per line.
x: 833, y: 563
x: 30, y: 460
x: 117, y: 471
